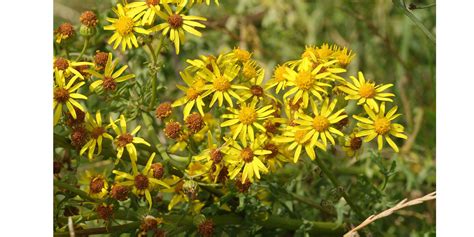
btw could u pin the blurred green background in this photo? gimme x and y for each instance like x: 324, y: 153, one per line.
x: 389, y: 47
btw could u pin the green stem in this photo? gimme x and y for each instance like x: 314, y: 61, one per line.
x: 336, y: 183
x: 103, y: 230
x: 154, y: 57
x: 74, y: 190
x: 86, y: 43
x: 67, y: 52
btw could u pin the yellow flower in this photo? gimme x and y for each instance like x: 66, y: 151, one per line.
x: 96, y: 183
x: 176, y: 23
x: 149, y: 7
x: 344, y: 56
x: 256, y: 90
x: 306, y: 84
x: 277, y: 158
x: 64, y: 32
x: 221, y: 86
x: 299, y: 139
x: 320, y: 126
x: 109, y: 79
x: 124, y: 26
x: 278, y: 79
x: 380, y: 125
x: 97, y: 133
x: 352, y: 144
x: 193, y: 94
x: 142, y: 182
x: 240, y: 55
x: 126, y: 140
x: 246, y: 160
x: 68, y: 67
x: 366, y: 92
x: 64, y: 94
x: 181, y: 191
x: 245, y: 119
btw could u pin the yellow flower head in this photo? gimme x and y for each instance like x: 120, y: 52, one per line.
x: 193, y: 95
x: 64, y: 32
x: 245, y: 119
x: 147, y: 10
x: 97, y: 133
x: 108, y: 79
x: 380, y: 125
x: 127, y: 23
x: 176, y: 23
x: 366, y: 92
x: 142, y: 182
x: 126, y: 140
x: 246, y: 160
x: 69, y: 67
x: 278, y: 79
x: 321, y: 125
x: 65, y: 94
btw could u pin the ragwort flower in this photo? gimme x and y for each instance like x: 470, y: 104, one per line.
x: 109, y: 79
x: 65, y: 94
x: 97, y: 133
x: 126, y: 140
x: 246, y: 160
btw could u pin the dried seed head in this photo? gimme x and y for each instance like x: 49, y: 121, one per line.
x: 172, y: 130
x: 163, y: 110
x: 119, y: 192
x: 271, y: 128
x: 149, y: 223
x: 89, y: 19
x: 109, y: 84
x: 175, y: 21
x: 223, y: 174
x: 61, y: 63
x: 124, y: 139
x: 100, y: 59
x: 105, y: 211
x: 356, y: 143
x: 257, y: 91
x: 97, y: 132
x: 82, y: 70
x: 61, y: 95
x: 342, y: 123
x: 66, y: 30
x: 152, y: 2
x: 96, y: 184
x: 242, y: 187
x: 216, y: 155
x: 206, y: 228
x: 79, y: 137
x: 273, y: 148
x: 141, y: 182
x: 194, y: 122
x: 247, y: 154
x: 78, y: 121
x: 158, y: 170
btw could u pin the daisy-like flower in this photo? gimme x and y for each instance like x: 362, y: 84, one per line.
x: 65, y: 94
x: 321, y: 125
x: 97, y: 133
x: 126, y: 140
x: 306, y: 83
x: 245, y: 119
x: 64, y: 32
x: 142, y: 182
x: 221, y: 86
x: 352, y: 144
x: 176, y: 23
x: 256, y: 90
x: 98, y: 186
x: 108, y: 79
x: 181, y: 193
x: 193, y: 95
x: 69, y: 67
x: 343, y: 56
x: 278, y: 79
x: 299, y: 139
x: 240, y: 55
x: 277, y: 158
x: 380, y: 125
x: 150, y: 7
x: 125, y: 27
x: 246, y: 160
x: 366, y: 92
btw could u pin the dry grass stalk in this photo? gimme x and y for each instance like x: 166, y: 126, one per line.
x: 400, y: 205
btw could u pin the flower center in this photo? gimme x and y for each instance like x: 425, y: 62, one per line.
x: 320, y: 123
x: 192, y: 93
x: 299, y: 136
x: 308, y: 51
x: 216, y: 155
x: 124, y: 139
x: 119, y: 192
x: 61, y: 95
x: 89, y: 19
x: 221, y: 84
x: 242, y: 55
x: 66, y: 29
x: 97, y: 132
x: 303, y: 80
x: 109, y: 84
x: 194, y: 122
x: 100, y: 59
x: 247, y: 154
x: 256, y: 91
x: 163, y: 110
x: 249, y: 71
x: 61, y: 64
x: 367, y: 90
x: 172, y: 130
x: 124, y: 25
x: 141, y: 182
x: 273, y: 148
x: 96, y: 185
x: 382, y: 125
x: 356, y: 143
x: 247, y: 115
x: 175, y: 21
x: 158, y: 170
x: 279, y: 73
x: 152, y: 2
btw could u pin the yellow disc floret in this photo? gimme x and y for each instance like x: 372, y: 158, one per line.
x: 367, y: 90
x: 320, y: 123
x: 303, y: 80
x: 382, y: 125
x: 221, y: 84
x: 247, y: 115
x: 124, y: 25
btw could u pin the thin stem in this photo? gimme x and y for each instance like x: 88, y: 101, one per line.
x: 86, y: 43
x: 67, y: 52
x: 153, y: 71
x: 336, y: 183
x: 103, y: 230
x: 74, y: 190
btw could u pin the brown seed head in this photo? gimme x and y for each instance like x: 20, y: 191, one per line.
x: 152, y: 2
x: 163, y: 110
x: 216, y: 155
x: 105, y: 211
x: 65, y: 29
x: 100, y: 59
x: 61, y: 63
x: 89, y: 19
x: 342, y: 123
x: 206, y: 228
x: 149, y: 223
x: 194, y: 122
x: 271, y: 128
x: 175, y: 21
x: 172, y: 130
x: 60, y: 95
x: 242, y: 187
x: 119, y: 192
x: 356, y: 143
x: 257, y: 90
x: 78, y: 121
x: 124, y: 139
x: 247, y: 154
x: 158, y: 170
x: 141, y: 182
x: 109, y: 84
x: 79, y: 137
x: 96, y: 184
x: 273, y: 148
x: 97, y: 132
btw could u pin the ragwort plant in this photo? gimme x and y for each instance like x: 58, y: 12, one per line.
x: 205, y: 161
